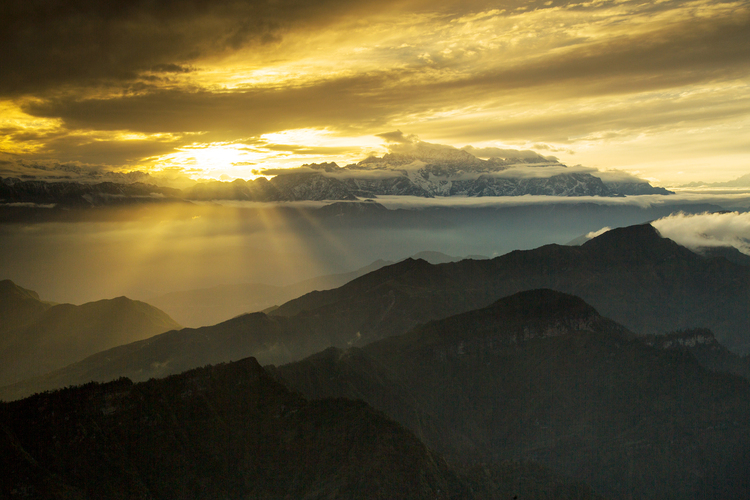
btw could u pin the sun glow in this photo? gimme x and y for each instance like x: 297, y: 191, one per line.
x: 212, y: 160
x: 283, y: 149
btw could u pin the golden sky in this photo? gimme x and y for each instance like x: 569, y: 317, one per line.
x: 219, y: 88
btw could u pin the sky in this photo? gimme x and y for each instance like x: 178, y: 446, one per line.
x: 217, y: 89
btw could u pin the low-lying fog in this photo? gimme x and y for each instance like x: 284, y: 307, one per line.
x: 149, y: 250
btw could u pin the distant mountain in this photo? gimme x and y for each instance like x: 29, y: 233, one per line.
x: 633, y: 275
x: 270, y: 339
x: 649, y: 284
x: 440, y: 258
x: 429, y: 172
x: 541, y: 376
x: 209, y: 306
x: 729, y: 253
x: 425, y: 172
x: 351, y: 208
x: 292, y: 187
x: 77, y: 194
x: 57, y: 335
x: 740, y: 182
x: 635, y: 188
x: 19, y: 306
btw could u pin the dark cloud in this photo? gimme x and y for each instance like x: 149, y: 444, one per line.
x: 45, y: 44
x: 139, y: 65
x: 111, y: 152
x: 54, y: 170
x: 605, y: 122
x: 398, y: 137
x: 503, y: 153
x: 682, y: 54
x: 171, y: 68
x: 307, y: 150
x: 337, y: 103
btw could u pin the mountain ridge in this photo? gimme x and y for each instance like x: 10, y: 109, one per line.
x: 589, y: 400
x: 424, y: 172
x: 649, y: 283
x: 210, y: 432
x: 19, y: 306
x: 648, y: 291
x: 58, y: 335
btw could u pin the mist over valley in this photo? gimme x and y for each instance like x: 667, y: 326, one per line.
x: 455, y: 250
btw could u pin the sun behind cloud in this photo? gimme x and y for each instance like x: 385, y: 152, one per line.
x: 661, y: 88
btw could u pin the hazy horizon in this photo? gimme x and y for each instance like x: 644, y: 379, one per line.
x: 143, y: 252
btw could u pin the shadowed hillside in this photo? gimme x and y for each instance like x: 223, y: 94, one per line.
x: 648, y: 283
x: 541, y: 376
x: 19, y: 306
x: 50, y: 337
x: 232, y: 432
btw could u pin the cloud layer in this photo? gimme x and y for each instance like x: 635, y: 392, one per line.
x: 730, y: 229
x: 620, y: 84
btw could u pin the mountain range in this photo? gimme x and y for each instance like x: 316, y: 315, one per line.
x: 645, y: 282
x: 77, y: 194
x: 541, y: 376
x: 424, y: 173
x: 648, y: 283
x: 740, y: 182
x: 535, y: 395
x: 430, y: 172
x: 232, y: 431
x: 484, y: 379
x: 209, y: 306
x: 37, y: 337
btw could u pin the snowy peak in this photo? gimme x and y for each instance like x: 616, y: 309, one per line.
x: 432, y: 155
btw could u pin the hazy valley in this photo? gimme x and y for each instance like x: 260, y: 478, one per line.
x: 461, y: 333
x: 284, y: 250
x: 495, y: 374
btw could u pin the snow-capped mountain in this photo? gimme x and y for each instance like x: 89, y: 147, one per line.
x: 441, y: 171
x: 77, y: 194
x: 424, y: 170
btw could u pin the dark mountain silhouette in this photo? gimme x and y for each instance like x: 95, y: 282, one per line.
x: 19, y: 306
x: 648, y: 283
x: 541, y: 376
x: 209, y: 306
x: 440, y: 258
x: 272, y: 340
x: 702, y: 344
x: 231, y: 431
x: 58, y: 335
x: 729, y: 253
x: 77, y: 194
x: 645, y: 282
